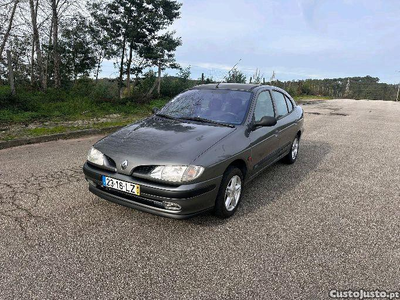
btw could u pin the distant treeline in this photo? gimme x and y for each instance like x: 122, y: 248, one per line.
x: 352, y: 87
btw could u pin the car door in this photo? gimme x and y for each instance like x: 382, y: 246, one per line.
x: 264, y: 140
x: 286, y: 125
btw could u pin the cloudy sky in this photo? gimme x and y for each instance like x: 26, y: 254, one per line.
x: 297, y: 39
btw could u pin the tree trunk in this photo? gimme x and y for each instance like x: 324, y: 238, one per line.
x: 121, y: 69
x: 150, y: 92
x: 99, y: 66
x: 10, y: 73
x: 56, y: 56
x: 136, y: 81
x: 128, y: 71
x: 156, y: 83
x: 159, y: 80
x: 46, y: 64
x: 37, y: 43
x: 33, y: 79
x: 7, y: 34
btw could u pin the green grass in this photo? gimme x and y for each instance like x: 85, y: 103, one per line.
x: 311, y: 97
x: 45, y: 131
x: 31, y: 106
x: 8, y: 137
x: 58, y: 106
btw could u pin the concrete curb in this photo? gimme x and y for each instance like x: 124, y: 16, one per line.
x: 59, y: 136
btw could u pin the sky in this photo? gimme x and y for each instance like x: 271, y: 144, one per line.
x: 298, y: 39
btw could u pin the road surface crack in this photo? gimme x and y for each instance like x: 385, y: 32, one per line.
x: 18, y: 200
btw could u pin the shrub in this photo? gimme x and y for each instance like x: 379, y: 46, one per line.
x: 104, y: 91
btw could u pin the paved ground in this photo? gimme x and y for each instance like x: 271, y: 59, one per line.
x: 331, y: 221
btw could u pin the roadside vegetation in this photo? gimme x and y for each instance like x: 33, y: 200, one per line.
x: 51, y: 55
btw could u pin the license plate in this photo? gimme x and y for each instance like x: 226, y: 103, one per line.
x: 121, y: 185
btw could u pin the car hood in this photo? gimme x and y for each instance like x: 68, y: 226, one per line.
x: 160, y: 141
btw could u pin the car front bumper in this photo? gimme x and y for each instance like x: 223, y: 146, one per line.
x: 192, y: 198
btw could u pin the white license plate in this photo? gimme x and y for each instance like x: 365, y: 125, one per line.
x: 120, y: 185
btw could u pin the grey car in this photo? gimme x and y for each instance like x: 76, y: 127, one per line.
x: 198, y: 151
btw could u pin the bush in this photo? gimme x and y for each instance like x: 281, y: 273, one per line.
x: 104, y: 91
x: 6, y: 99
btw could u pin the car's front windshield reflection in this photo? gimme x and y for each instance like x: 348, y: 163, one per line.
x: 223, y: 106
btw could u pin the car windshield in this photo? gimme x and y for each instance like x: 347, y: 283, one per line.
x: 222, y: 106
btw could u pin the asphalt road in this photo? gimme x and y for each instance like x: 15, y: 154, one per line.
x: 331, y: 221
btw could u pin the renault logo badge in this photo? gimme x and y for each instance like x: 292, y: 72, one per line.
x: 124, y: 164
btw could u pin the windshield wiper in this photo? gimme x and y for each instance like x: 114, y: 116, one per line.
x: 202, y: 120
x: 166, y: 116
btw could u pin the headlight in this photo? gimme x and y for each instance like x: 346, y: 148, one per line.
x: 96, y: 157
x: 177, y: 173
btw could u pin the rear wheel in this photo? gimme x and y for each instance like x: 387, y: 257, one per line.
x: 294, y: 151
x: 230, y: 193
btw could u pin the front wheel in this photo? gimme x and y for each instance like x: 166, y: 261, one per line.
x: 294, y: 151
x: 230, y: 193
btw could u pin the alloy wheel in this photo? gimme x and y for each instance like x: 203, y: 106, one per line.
x: 232, y: 193
x: 295, y: 148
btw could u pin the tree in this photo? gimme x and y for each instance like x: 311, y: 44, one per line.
x: 76, y: 47
x: 59, y: 8
x: 102, y: 46
x: 162, y: 54
x: 36, y: 40
x: 133, y: 24
x: 235, y: 76
x: 257, y: 77
x: 9, y: 27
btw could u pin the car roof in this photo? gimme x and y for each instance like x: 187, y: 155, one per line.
x: 231, y: 86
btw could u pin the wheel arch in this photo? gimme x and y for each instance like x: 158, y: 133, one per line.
x: 299, y: 134
x: 241, y: 165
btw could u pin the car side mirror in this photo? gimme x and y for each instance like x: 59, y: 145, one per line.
x: 265, y: 122
x: 155, y: 110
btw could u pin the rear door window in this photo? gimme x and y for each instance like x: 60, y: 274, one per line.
x: 289, y: 103
x: 280, y: 104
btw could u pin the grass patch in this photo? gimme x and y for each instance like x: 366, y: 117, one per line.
x: 311, y: 97
x: 45, y: 131
x: 58, y: 105
x: 8, y: 137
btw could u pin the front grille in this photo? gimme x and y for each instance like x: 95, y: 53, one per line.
x: 143, y: 170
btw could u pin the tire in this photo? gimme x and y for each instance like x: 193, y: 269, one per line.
x: 224, y: 207
x: 294, y: 151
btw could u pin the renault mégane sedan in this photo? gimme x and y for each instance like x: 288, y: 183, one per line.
x: 198, y: 151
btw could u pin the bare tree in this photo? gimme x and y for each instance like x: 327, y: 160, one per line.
x: 56, y: 56
x: 10, y: 23
x: 257, y: 77
x: 36, y: 40
x: 59, y: 8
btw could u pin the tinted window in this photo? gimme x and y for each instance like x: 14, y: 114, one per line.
x: 289, y: 103
x: 280, y: 104
x: 264, y: 106
x: 223, y: 106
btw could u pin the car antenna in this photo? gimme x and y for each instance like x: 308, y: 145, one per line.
x: 228, y: 72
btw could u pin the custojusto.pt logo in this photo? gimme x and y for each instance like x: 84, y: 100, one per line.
x: 363, y: 294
